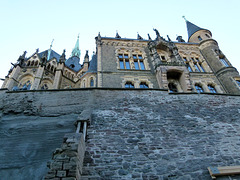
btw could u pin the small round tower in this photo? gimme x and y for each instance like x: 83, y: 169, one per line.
x: 222, y: 68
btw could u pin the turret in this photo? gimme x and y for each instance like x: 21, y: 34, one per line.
x: 218, y: 62
x: 197, y: 34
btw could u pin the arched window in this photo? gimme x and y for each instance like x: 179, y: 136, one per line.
x: 198, y: 88
x: 172, y: 87
x: 143, y: 85
x: 32, y: 63
x: 212, y: 89
x: 91, y: 82
x: 83, y: 85
x: 28, y: 64
x: 27, y: 85
x: 36, y: 63
x: 44, y: 87
x: 129, y: 85
x: 52, y: 68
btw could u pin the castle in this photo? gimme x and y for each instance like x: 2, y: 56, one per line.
x: 197, y: 65
x: 137, y: 109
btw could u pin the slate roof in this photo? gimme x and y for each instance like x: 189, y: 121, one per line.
x: 192, y: 28
x: 74, y: 61
x: 53, y: 54
x: 93, y: 64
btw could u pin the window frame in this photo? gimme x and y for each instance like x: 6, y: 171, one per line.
x: 143, y: 85
x: 223, y: 61
x: 129, y: 84
x: 198, y: 88
x: 212, y: 88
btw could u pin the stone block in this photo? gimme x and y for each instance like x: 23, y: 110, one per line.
x: 61, y: 174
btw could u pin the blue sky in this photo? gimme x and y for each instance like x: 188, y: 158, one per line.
x: 29, y: 24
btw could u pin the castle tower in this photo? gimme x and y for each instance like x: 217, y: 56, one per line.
x: 222, y: 68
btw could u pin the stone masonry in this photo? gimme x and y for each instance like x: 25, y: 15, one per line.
x: 134, y: 134
x: 67, y: 160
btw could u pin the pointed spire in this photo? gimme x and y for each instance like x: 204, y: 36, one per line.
x: 62, y: 58
x: 86, y: 58
x: 76, y: 52
x: 192, y: 28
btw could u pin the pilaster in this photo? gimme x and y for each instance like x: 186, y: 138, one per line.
x: 13, y: 78
x: 58, y: 76
x: 37, y: 78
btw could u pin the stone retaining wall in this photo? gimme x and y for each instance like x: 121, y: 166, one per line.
x: 134, y: 134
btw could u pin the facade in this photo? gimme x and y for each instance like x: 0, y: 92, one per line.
x: 113, y: 117
x: 197, y: 65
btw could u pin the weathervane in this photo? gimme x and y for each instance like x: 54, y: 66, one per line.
x: 184, y: 18
x: 51, y: 44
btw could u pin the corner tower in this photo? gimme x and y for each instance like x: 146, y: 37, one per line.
x: 220, y: 65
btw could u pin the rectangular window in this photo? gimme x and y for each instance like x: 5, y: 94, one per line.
x: 197, y: 59
x: 120, y: 56
x: 125, y: 56
x: 121, y: 64
x: 238, y: 82
x: 136, y: 65
x: 224, y: 62
x: 134, y: 56
x: 142, y: 65
x: 201, y: 67
x: 184, y: 58
x: 139, y: 56
x: 197, y: 68
x: 189, y: 68
x: 127, y: 64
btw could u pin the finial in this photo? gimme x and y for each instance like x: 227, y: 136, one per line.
x: 184, y: 18
x: 51, y: 44
x: 149, y: 38
x: 117, y: 35
x: 37, y: 50
x: 63, y: 57
x: 138, y: 36
x: 157, y: 33
x: 169, y: 38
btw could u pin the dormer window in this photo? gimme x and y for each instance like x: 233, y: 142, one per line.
x: 72, y: 66
x: 199, y: 38
x: 207, y: 36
